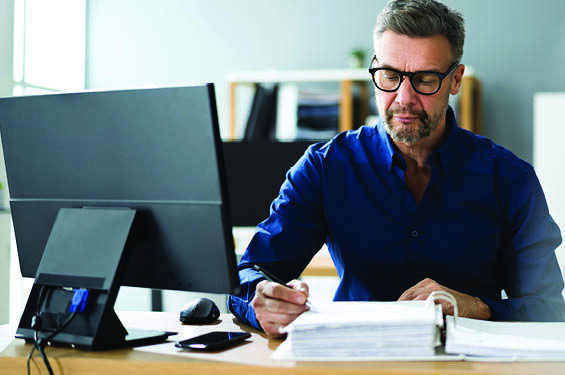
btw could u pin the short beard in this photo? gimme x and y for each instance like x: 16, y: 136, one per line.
x: 413, y: 135
x: 410, y: 135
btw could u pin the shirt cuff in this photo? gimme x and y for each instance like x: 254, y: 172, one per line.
x: 243, y: 311
x: 240, y: 304
x: 501, y: 310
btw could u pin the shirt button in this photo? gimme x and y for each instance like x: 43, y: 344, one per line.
x: 414, y: 233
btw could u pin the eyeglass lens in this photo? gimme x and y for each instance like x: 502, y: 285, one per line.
x: 423, y: 82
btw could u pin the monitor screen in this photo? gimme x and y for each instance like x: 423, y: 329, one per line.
x: 157, y: 151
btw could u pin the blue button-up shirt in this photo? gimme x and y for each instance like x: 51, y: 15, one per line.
x: 482, y: 225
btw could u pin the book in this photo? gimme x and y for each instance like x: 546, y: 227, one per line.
x: 261, y: 122
x: 306, y: 114
x: 317, y: 114
x: 312, y: 114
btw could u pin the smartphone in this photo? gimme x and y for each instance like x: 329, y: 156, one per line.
x: 213, y: 341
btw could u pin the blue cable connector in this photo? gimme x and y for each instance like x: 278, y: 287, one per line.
x: 79, y: 300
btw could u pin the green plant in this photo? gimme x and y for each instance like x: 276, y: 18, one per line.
x: 357, y: 57
x: 358, y: 53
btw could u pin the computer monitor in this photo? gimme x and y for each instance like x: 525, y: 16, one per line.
x: 116, y: 188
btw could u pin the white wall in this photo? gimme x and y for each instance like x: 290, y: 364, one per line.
x: 136, y: 43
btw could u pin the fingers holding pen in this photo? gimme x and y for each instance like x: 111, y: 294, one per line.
x: 278, y: 305
x: 279, y: 298
x: 300, y: 286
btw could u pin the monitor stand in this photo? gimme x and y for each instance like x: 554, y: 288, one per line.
x: 87, y: 248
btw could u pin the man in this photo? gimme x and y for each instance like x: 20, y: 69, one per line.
x: 412, y: 205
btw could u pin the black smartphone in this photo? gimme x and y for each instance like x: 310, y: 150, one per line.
x: 213, y: 341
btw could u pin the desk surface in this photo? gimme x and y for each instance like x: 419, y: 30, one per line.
x: 252, y: 357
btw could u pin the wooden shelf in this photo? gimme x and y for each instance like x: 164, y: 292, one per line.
x: 470, y: 107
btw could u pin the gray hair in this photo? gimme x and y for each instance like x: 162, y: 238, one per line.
x: 424, y: 19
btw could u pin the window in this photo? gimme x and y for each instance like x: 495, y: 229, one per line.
x: 49, y: 46
x: 49, y: 56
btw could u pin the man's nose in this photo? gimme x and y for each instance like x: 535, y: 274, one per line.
x: 405, y: 94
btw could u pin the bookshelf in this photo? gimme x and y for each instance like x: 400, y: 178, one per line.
x: 347, y: 79
x: 469, y: 110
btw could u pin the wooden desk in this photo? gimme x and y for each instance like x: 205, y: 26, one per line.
x: 253, y: 357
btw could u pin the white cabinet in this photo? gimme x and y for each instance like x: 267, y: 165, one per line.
x: 549, y: 154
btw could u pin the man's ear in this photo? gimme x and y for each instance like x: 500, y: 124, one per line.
x: 457, y: 79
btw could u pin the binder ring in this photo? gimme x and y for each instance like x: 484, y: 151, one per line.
x: 443, y: 295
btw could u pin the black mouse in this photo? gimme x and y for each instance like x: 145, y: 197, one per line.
x: 199, y: 311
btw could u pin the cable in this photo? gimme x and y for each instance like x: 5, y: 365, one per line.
x: 36, y: 326
x: 42, y: 342
x: 78, y: 303
x: 39, y: 344
x: 61, y: 328
x: 29, y: 359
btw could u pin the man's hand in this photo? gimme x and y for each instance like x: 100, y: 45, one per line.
x: 277, y: 305
x: 468, y: 306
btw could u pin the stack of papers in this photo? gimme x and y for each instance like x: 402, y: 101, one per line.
x: 515, y: 341
x: 364, y: 330
x: 410, y: 330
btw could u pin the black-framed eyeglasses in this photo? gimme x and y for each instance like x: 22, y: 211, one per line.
x: 423, y: 82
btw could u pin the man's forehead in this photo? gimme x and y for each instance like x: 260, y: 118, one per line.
x: 413, y: 53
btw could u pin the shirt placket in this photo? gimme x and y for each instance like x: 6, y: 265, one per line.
x: 415, y: 220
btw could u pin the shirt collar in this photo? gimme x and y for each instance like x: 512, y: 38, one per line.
x: 443, y: 155
x: 390, y: 152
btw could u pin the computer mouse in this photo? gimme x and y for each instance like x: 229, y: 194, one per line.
x: 199, y: 311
